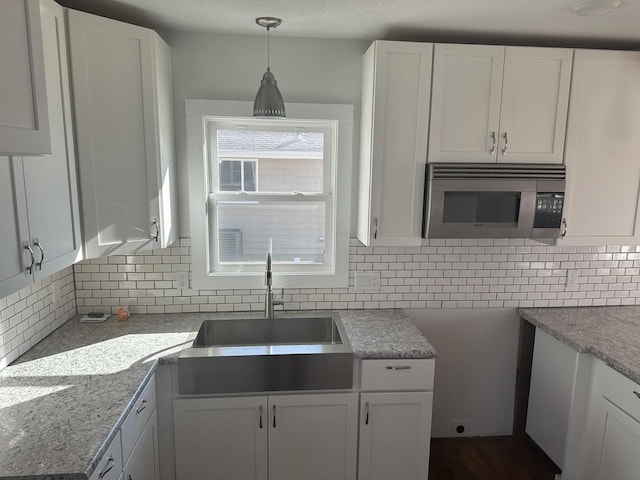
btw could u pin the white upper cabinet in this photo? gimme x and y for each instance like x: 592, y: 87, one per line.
x: 24, y: 120
x: 603, y: 150
x: 396, y: 82
x: 39, y: 207
x: 14, y: 234
x: 124, y: 125
x: 499, y: 104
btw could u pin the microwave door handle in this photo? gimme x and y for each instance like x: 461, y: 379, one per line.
x: 527, y: 211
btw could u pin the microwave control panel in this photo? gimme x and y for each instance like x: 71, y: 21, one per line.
x: 548, y: 210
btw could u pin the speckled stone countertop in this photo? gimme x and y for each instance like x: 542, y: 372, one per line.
x: 610, y: 333
x: 62, y: 402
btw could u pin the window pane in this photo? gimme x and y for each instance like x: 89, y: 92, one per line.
x: 287, y: 161
x: 297, y: 230
x: 230, y: 175
x: 249, y: 176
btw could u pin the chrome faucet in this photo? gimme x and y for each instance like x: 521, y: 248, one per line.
x: 269, y: 301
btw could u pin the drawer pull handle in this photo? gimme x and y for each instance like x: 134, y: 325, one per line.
x: 366, y: 409
x: 143, y: 405
x: 636, y: 393
x: 274, y: 416
x: 110, y: 463
x: 260, y: 414
x: 399, y: 367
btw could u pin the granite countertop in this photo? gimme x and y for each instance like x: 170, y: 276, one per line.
x: 62, y: 402
x: 610, y: 333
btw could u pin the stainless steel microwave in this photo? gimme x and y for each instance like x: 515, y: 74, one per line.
x: 465, y: 200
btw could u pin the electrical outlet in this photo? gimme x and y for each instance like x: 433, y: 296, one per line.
x: 572, y: 278
x: 460, y: 428
x: 367, y: 281
x: 56, y: 293
x: 182, y: 280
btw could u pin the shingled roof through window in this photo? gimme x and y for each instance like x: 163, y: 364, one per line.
x: 267, y: 141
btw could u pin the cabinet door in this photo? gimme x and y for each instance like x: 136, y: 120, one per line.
x: 535, y: 98
x: 395, y: 434
x: 395, y: 114
x: 602, y: 151
x: 313, y: 436
x: 221, y: 438
x: 465, y: 104
x: 616, y: 438
x: 50, y: 181
x: 111, y: 65
x: 14, y: 232
x: 143, y: 462
x: 24, y: 121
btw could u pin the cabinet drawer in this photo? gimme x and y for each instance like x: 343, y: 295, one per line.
x: 619, y: 390
x: 397, y: 374
x: 110, y: 466
x: 137, y: 418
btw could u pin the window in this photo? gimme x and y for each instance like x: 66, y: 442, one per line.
x: 269, y: 184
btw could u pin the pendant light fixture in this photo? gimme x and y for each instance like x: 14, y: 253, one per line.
x: 268, y: 102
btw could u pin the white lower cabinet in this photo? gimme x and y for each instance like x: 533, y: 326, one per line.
x: 133, y: 453
x: 395, y: 431
x: 110, y: 465
x: 395, y: 419
x: 143, y: 462
x: 280, y: 437
x: 221, y: 438
x: 612, y: 440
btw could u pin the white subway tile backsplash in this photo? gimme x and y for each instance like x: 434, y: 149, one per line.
x: 452, y: 273
x: 29, y: 315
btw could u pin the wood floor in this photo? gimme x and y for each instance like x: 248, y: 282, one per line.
x: 489, y: 458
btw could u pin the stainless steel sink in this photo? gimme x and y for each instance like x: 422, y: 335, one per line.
x: 253, y: 354
x: 268, y: 331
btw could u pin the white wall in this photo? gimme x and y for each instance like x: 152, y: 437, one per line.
x: 230, y: 67
x: 475, y: 369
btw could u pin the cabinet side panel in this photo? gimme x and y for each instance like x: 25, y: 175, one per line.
x: 552, y: 381
x: 366, y: 154
x: 167, y: 180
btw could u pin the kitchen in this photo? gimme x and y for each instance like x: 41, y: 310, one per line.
x: 474, y: 275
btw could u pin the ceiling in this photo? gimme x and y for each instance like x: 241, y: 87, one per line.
x: 544, y: 22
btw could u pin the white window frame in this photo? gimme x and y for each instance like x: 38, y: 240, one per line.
x: 337, y: 276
